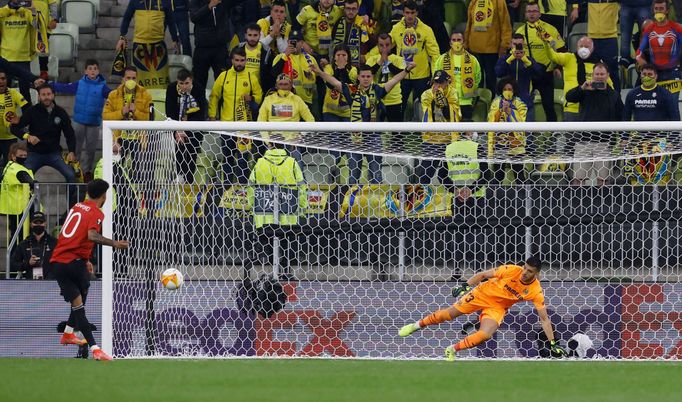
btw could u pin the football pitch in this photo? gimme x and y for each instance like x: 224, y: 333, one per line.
x: 337, y: 380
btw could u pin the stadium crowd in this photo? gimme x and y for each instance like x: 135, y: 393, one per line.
x: 352, y: 61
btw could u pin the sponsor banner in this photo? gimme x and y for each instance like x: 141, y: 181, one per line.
x: 362, y: 319
x: 387, y: 201
x: 674, y: 86
x: 237, y: 198
x: 31, y: 311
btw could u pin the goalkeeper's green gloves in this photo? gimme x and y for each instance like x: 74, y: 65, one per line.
x: 557, y: 349
x: 460, y: 290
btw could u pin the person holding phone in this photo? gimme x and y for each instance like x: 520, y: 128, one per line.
x: 598, y: 102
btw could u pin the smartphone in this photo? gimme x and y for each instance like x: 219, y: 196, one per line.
x: 293, y: 42
x: 598, y: 85
x: 519, y: 46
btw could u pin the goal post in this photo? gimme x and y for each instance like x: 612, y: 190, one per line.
x: 378, y: 228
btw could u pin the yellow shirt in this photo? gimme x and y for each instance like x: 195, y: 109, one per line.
x: 455, y: 71
x: 10, y: 102
x: 382, y: 76
x: 307, y: 17
x: 265, y: 26
x: 602, y: 20
x: 416, y: 44
x: 334, y: 101
x: 535, y: 47
x: 253, y: 59
x: 16, y: 33
x: 556, y: 7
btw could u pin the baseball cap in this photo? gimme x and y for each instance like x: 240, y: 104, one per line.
x: 37, y: 216
x: 441, y: 77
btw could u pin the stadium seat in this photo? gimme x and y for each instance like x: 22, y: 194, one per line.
x: 317, y: 168
x: 396, y: 170
x: 558, y: 106
x: 461, y: 27
x: 579, y: 30
x: 455, y: 12
x: 64, y: 43
x: 83, y: 13
x: 448, y: 27
x: 159, y: 100
x: 52, y: 67
x: 482, y: 104
x: 632, y: 76
x: 177, y: 62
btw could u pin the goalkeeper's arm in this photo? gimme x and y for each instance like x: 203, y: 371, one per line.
x: 546, y: 323
x: 473, y: 281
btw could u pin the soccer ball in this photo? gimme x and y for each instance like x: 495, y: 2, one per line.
x: 172, y: 279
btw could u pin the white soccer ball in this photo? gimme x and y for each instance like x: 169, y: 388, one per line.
x: 172, y: 279
x: 580, y: 344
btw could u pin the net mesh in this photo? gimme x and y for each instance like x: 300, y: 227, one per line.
x: 365, y: 235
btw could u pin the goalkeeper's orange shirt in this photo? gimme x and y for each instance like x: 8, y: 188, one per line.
x: 505, y: 289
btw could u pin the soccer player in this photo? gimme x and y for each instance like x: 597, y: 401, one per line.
x: 505, y: 286
x: 71, y: 262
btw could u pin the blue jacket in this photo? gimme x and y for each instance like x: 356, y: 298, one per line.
x: 521, y: 74
x: 90, y: 98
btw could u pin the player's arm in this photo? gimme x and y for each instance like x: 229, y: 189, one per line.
x: 549, y: 331
x: 473, y: 281
x: 95, y: 237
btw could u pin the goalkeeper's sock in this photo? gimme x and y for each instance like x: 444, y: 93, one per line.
x: 471, y: 340
x: 434, y: 318
x: 83, y: 324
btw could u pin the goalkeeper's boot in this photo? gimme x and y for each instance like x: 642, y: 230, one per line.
x: 72, y: 339
x: 98, y: 354
x: 408, y: 329
x: 450, y: 353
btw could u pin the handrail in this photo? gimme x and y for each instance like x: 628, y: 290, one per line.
x: 20, y: 226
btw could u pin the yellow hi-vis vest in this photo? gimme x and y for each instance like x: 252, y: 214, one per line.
x: 14, y: 195
x: 466, y: 172
x: 276, y: 167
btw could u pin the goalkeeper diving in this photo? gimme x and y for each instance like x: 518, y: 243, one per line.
x: 505, y: 286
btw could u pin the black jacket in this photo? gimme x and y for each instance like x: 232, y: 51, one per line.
x: 212, y: 28
x: 48, y: 127
x: 597, y: 105
x: 30, y: 246
x: 22, y: 73
x: 172, y: 107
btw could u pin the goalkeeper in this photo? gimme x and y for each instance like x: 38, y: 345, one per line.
x: 505, y: 286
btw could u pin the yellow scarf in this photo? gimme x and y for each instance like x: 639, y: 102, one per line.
x: 483, y: 15
x: 324, y: 30
x: 466, y: 72
x: 9, y: 108
x: 42, y: 46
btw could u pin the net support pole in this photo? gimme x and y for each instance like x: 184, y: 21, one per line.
x: 107, y: 230
x: 529, y: 229
x: 655, y: 234
x: 401, y: 237
x: 275, y: 239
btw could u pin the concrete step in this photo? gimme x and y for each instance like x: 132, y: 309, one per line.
x: 114, y: 11
x: 99, y: 43
x: 111, y: 22
x: 108, y: 33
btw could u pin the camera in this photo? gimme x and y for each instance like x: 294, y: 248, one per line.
x: 519, y: 46
x: 598, y: 85
x: 21, y: 4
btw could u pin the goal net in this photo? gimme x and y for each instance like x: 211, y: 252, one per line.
x: 371, y: 225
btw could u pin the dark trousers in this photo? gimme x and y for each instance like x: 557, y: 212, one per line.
x: 205, y: 59
x: 43, y: 60
x: 236, y: 164
x: 186, y: 155
x: 428, y: 167
x: 487, y: 62
x: 557, y: 21
x: 395, y: 113
x: 181, y: 18
x: 416, y: 87
x: 24, y: 86
x: 628, y: 16
x: 467, y: 111
x: 545, y: 85
x: 607, y: 49
x: 261, y: 252
x: 35, y: 161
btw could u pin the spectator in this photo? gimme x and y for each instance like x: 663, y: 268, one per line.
x: 149, y: 49
x: 212, y: 34
x: 522, y: 68
x: 365, y: 102
x: 432, y: 13
x: 650, y: 102
x: 275, y: 28
x: 488, y: 35
x: 235, y: 102
x: 11, y: 101
x: 186, y: 102
x: 181, y: 18
x: 439, y: 104
x: 415, y: 42
x: 578, y: 68
x: 536, y: 33
x: 46, y: 122
x: 468, y: 176
x: 258, y: 57
x: 31, y: 258
x: 465, y: 73
x: 352, y: 32
x: 91, y: 92
x: 553, y: 12
x: 49, y: 10
x: 602, y: 28
x: 18, y: 33
x: 296, y: 65
x: 598, y: 102
x: 385, y: 65
x: 507, y: 107
x: 661, y: 44
x: 316, y: 21
x: 16, y: 187
x: 631, y: 12
x: 335, y: 106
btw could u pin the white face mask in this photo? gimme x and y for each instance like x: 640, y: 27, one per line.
x: 116, y: 158
x: 583, y: 52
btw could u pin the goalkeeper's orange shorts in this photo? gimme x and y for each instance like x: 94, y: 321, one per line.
x: 469, y: 304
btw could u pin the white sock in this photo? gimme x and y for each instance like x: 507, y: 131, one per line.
x: 68, y: 330
x: 416, y: 324
x: 93, y: 348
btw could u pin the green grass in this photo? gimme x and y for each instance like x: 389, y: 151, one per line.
x: 337, y: 380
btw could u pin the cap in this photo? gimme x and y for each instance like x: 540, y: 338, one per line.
x: 441, y: 77
x: 37, y: 216
x: 295, y: 35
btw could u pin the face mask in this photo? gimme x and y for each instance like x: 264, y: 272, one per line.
x: 508, y: 95
x: 659, y: 17
x: 456, y: 46
x: 282, y: 92
x: 116, y: 158
x: 648, y: 82
x: 20, y: 161
x: 38, y: 230
x: 583, y: 52
x: 130, y: 85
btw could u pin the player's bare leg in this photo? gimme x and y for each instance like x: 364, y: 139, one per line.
x: 436, y: 317
x: 486, y: 331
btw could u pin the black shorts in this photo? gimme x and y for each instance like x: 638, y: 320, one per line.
x: 73, y: 279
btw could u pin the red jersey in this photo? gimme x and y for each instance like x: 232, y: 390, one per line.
x: 73, y: 243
